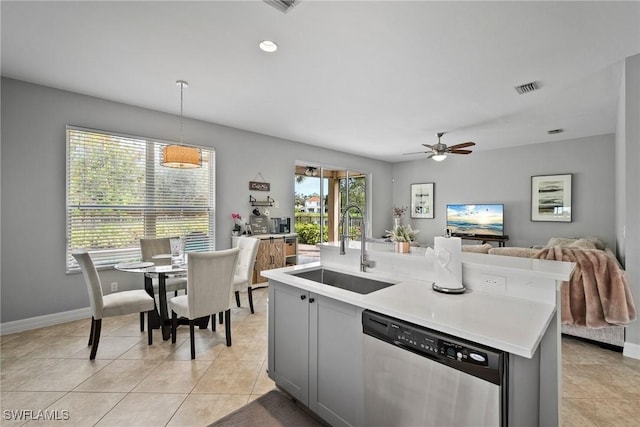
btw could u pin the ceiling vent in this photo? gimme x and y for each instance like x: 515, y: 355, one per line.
x: 283, y: 6
x: 527, y: 87
x: 555, y: 131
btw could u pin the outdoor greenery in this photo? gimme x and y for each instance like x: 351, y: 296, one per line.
x: 309, y: 233
x: 307, y: 224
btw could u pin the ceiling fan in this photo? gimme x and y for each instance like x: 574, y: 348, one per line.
x: 439, y: 151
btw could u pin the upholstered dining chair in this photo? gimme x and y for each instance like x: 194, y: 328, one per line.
x: 209, y: 288
x: 244, y: 268
x: 114, y: 304
x: 152, y: 247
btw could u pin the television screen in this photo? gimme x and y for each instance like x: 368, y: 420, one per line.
x: 476, y: 220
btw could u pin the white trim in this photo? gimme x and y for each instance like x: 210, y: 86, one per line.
x: 631, y: 350
x: 42, y: 321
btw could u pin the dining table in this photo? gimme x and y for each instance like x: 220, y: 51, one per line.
x: 159, y: 318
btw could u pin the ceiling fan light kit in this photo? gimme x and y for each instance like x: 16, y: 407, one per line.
x: 439, y: 151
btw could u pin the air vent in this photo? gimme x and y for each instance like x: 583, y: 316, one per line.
x: 283, y: 6
x: 527, y: 87
x: 555, y: 131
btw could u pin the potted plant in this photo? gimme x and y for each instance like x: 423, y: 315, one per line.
x: 402, y: 235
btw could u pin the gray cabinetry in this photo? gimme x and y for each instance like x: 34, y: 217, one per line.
x: 315, y: 353
x: 288, y: 338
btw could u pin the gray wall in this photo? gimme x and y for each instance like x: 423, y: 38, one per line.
x: 627, y: 180
x: 33, y: 281
x: 33, y: 275
x: 504, y: 176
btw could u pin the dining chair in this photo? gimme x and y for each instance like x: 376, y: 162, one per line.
x: 243, y: 276
x: 209, y: 286
x: 150, y: 248
x: 114, y: 304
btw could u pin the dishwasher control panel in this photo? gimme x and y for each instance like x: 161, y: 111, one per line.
x: 471, y: 357
x: 423, y: 341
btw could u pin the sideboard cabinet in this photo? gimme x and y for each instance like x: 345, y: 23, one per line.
x: 275, y: 251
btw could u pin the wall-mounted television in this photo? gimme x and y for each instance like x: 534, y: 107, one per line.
x: 476, y: 220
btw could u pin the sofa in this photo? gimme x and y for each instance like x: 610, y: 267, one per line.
x: 596, y: 302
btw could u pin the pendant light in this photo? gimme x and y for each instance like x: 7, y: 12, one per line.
x: 180, y: 156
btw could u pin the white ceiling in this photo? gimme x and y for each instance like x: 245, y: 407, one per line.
x: 376, y: 78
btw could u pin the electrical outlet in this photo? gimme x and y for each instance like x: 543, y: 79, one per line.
x: 495, y: 284
x: 114, y: 286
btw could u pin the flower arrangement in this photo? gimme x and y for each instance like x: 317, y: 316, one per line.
x: 398, y: 212
x: 236, y: 227
x: 402, y: 233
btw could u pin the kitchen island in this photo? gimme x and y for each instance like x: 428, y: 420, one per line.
x: 315, y: 330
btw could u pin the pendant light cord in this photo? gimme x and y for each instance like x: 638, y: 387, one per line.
x: 182, y: 85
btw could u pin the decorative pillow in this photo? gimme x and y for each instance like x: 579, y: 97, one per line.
x: 583, y: 244
x: 518, y: 252
x: 560, y: 241
x: 598, y: 243
x: 479, y: 249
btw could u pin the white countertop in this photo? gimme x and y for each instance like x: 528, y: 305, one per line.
x: 267, y: 236
x: 515, y: 325
x: 543, y: 268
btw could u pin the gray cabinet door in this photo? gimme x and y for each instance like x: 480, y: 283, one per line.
x: 288, y: 339
x: 336, y: 378
x: 315, y: 353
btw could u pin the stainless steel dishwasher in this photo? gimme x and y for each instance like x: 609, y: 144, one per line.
x: 415, y: 376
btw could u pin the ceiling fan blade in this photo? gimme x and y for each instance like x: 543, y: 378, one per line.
x: 462, y: 145
x: 416, y: 152
x: 460, y: 151
x: 428, y: 146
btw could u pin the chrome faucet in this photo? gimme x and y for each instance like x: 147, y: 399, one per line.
x: 364, y: 263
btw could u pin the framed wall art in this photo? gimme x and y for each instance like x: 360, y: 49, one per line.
x: 551, y: 198
x: 422, y: 198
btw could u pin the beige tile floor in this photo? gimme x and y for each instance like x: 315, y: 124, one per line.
x: 131, y: 383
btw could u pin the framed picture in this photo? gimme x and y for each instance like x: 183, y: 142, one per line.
x: 422, y: 200
x: 551, y: 198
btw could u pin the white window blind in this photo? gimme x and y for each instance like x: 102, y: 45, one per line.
x: 117, y: 193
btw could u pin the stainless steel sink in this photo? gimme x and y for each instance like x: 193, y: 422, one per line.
x: 358, y: 284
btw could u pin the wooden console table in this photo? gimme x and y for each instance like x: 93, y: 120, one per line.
x: 484, y: 239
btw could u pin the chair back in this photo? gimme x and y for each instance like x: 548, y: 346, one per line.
x: 156, y: 246
x: 92, y: 280
x: 209, y: 281
x: 247, y: 258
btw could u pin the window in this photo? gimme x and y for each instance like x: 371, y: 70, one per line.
x: 117, y: 193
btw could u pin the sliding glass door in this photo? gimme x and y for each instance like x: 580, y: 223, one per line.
x: 321, y: 194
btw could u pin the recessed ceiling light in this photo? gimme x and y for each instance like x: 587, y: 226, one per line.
x: 268, y: 46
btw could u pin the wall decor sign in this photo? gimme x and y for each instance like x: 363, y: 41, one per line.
x: 259, y: 186
x: 422, y: 200
x: 551, y: 198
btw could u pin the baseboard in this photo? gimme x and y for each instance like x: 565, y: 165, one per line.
x: 43, y: 321
x: 631, y: 350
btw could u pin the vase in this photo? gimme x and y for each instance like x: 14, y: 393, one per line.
x: 396, y: 222
x: 403, y: 247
